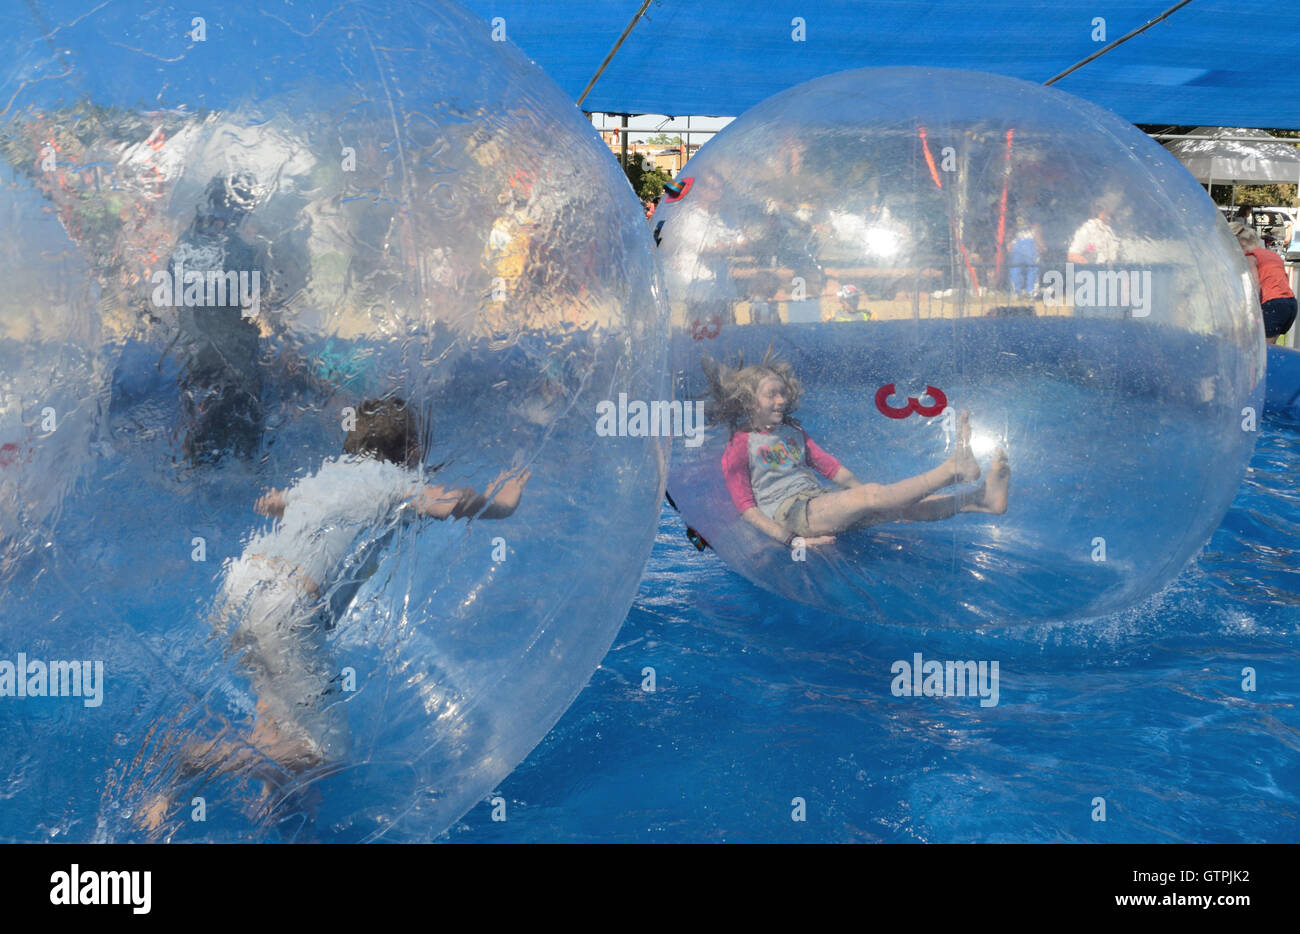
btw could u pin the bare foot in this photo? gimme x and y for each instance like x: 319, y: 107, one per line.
x: 288, y: 747
x: 964, y: 466
x: 153, y: 814
x: 993, y: 493
x: 270, y: 749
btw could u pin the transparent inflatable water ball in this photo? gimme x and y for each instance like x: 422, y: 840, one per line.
x: 309, y: 311
x: 920, y: 243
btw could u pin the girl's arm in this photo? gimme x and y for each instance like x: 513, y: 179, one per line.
x: 439, y: 502
x: 826, y: 465
x: 769, y: 527
x: 773, y: 529
x: 844, y: 477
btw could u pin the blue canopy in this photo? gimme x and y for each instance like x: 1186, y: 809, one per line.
x: 1213, y: 62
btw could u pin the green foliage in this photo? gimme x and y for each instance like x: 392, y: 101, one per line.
x: 635, y: 171
x: 1284, y: 195
x: 647, y: 183
x: 652, y: 184
x: 663, y: 139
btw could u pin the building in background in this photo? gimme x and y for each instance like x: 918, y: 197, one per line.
x: 670, y: 158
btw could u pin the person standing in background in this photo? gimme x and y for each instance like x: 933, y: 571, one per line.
x: 221, y: 383
x: 1276, y: 300
x: 1096, y: 241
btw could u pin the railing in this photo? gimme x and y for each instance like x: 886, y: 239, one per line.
x: 830, y: 292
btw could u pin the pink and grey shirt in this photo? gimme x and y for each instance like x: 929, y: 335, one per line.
x: 764, y: 469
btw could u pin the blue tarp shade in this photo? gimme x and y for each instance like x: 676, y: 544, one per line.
x: 1214, y: 62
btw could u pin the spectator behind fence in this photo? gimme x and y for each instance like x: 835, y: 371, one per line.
x: 1276, y: 300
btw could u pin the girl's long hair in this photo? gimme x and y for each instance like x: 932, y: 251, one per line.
x: 733, y: 391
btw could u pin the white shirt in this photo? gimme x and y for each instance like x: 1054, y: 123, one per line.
x: 1095, y: 237
x: 325, y: 512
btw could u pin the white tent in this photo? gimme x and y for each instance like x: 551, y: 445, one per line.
x: 1235, y: 161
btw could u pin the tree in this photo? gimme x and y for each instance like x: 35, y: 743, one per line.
x: 635, y: 172
x: 652, y: 184
x: 1263, y: 195
x: 647, y: 183
x: 663, y: 139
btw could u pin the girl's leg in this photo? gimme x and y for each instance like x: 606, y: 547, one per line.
x: 277, y: 627
x: 989, y: 497
x: 869, y: 503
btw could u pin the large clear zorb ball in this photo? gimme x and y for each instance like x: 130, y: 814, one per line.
x: 236, y: 242
x: 916, y: 243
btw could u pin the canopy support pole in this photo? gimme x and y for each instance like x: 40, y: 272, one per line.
x: 1116, y: 44
x: 610, y: 57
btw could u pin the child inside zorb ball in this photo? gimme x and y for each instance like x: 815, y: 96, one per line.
x: 771, y: 466
x: 292, y: 584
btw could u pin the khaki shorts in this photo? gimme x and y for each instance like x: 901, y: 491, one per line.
x: 793, y: 512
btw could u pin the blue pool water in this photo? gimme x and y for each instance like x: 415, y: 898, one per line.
x: 760, y: 700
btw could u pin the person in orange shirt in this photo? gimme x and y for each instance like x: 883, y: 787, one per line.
x: 1276, y: 299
